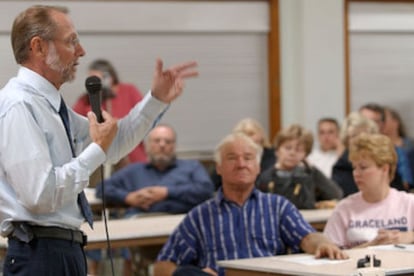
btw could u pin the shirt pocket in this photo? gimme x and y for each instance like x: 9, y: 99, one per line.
x: 268, y: 245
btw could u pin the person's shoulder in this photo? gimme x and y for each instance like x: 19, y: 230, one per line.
x: 201, y: 210
x: 132, y: 167
x: 343, y: 161
x: 400, y: 196
x: 188, y: 163
x: 268, y: 173
x: 275, y: 199
x: 315, y: 154
x: 84, y: 99
x: 350, y: 201
x: 12, y: 95
x: 82, y: 105
x: 269, y: 151
x: 408, y: 143
x: 316, y: 172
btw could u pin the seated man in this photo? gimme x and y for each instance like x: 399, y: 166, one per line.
x: 164, y: 184
x: 240, y: 221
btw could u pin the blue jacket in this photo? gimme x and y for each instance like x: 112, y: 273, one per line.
x: 187, y: 181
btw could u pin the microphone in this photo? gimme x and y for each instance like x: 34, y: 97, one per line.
x: 94, y: 86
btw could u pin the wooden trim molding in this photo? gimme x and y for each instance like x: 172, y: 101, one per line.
x: 347, y: 60
x: 274, y: 70
x: 348, y: 91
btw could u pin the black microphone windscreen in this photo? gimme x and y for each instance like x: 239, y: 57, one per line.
x: 93, y: 85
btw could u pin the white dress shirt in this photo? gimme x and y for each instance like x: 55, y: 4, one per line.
x: 323, y: 160
x: 39, y: 178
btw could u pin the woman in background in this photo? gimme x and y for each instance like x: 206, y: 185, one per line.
x: 117, y: 98
x: 377, y: 214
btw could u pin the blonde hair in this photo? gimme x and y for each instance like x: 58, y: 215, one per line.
x: 355, y: 122
x: 377, y: 147
x: 250, y: 127
x: 232, y: 138
x: 292, y: 132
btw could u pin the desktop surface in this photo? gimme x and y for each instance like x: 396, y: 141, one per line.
x: 394, y: 261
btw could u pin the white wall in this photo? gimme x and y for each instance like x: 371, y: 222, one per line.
x: 230, y: 41
x: 382, y: 56
x: 312, y: 57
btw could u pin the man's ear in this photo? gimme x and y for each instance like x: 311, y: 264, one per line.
x: 39, y: 47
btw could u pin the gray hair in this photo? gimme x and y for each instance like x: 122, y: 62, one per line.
x: 233, y: 137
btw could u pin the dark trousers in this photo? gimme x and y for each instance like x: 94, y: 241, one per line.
x: 44, y: 257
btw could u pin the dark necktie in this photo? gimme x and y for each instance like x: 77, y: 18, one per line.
x: 82, y: 200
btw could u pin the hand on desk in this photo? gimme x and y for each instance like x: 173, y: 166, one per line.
x: 319, y: 245
x: 331, y: 251
x: 145, y: 197
x: 394, y: 236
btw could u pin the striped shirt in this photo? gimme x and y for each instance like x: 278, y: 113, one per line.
x: 266, y: 225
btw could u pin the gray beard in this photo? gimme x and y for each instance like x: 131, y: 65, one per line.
x: 162, y: 161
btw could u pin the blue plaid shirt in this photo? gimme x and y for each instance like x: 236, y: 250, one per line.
x: 266, y: 225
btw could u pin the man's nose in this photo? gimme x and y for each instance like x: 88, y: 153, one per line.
x: 241, y: 162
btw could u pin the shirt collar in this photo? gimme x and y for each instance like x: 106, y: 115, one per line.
x: 41, y: 86
x: 219, y: 198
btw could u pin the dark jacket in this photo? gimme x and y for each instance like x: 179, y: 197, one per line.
x: 303, y: 186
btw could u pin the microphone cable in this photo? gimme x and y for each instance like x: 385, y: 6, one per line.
x: 108, y: 241
x: 93, y: 85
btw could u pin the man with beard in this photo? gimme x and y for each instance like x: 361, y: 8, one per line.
x: 47, y: 151
x: 164, y: 184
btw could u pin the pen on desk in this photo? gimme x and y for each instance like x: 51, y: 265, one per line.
x: 399, y: 246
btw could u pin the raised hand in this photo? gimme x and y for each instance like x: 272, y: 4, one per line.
x: 168, y: 84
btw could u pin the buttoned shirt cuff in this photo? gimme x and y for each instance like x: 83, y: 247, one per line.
x: 153, y: 105
x: 92, y: 157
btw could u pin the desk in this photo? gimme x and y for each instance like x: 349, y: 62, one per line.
x: 395, y: 262
x: 153, y: 230
x: 143, y: 231
x: 317, y: 217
